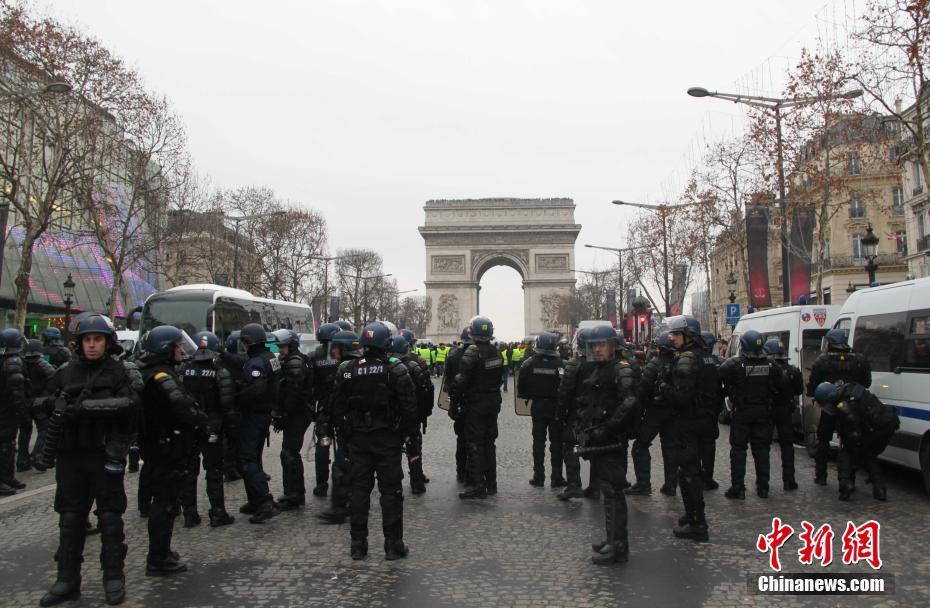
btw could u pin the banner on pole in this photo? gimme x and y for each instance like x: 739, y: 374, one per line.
x: 757, y: 241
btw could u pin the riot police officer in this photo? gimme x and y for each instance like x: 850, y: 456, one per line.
x: 94, y: 411
x: 751, y: 382
x: 658, y: 420
x: 692, y: 388
x: 458, y: 421
x: 576, y: 370
x: 786, y: 402
x: 539, y: 381
x: 865, y: 426
x: 233, y: 361
x: 324, y: 376
x: 13, y: 406
x: 53, y: 347
x: 293, y: 415
x: 374, y: 409
x: 607, y: 400
x: 261, y: 376
x: 344, y: 346
x: 710, y: 417
x: 38, y: 373
x: 212, y: 386
x: 172, y: 425
x: 423, y: 388
x: 477, y: 390
x: 836, y: 361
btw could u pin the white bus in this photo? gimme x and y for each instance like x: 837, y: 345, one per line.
x: 890, y: 325
x: 221, y: 310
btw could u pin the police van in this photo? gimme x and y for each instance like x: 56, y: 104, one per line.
x: 890, y: 325
x: 801, y: 329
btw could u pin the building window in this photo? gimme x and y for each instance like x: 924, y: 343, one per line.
x: 856, y: 208
x: 900, y: 237
x: 858, y: 252
x: 853, y: 167
x: 921, y: 223
x: 918, y: 180
x: 897, y: 201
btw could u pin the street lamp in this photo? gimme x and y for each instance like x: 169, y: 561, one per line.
x: 52, y: 87
x: 775, y: 104
x: 68, y: 297
x: 619, y: 252
x: 870, y: 245
x: 731, y: 284
x: 238, y: 219
x: 326, y: 261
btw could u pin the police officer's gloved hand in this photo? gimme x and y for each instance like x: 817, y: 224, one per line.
x: 277, y: 421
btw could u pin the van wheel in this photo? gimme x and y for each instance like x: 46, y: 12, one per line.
x: 925, y: 467
x: 810, y: 444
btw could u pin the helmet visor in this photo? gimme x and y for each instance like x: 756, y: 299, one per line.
x: 600, y: 350
x: 188, y: 346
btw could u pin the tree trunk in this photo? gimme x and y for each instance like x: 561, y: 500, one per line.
x: 114, y: 293
x: 22, y: 281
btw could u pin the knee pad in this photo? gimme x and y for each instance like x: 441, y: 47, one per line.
x: 109, y: 519
x: 70, y: 519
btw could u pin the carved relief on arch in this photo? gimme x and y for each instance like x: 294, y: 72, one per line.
x: 447, y: 312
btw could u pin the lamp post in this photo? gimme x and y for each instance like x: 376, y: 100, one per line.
x: 68, y: 298
x: 238, y: 219
x: 775, y: 105
x: 52, y: 87
x: 731, y: 285
x: 870, y: 244
x: 619, y: 252
x: 326, y: 261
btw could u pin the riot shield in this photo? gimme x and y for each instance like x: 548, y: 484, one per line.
x: 442, y: 397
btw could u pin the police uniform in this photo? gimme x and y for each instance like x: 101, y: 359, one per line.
x: 232, y: 467
x: 295, y: 409
x: 324, y: 377
x: 575, y: 371
x: 458, y: 422
x: 751, y: 384
x: 425, y: 395
x: 608, y: 398
x: 786, y: 401
x: 477, y: 389
x: 56, y: 354
x: 374, y: 409
x: 539, y: 381
x: 13, y: 409
x: 212, y: 386
x: 38, y: 374
x: 832, y: 366
x: 169, y: 438
x: 658, y: 420
x: 261, y: 376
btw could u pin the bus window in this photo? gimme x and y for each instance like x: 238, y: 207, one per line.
x: 881, y: 339
x: 184, y: 311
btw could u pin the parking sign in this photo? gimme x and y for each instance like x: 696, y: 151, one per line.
x: 733, y: 313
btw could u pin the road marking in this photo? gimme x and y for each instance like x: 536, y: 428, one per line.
x: 22, y: 495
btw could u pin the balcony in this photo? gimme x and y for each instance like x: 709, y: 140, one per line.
x: 923, y: 243
x: 849, y: 261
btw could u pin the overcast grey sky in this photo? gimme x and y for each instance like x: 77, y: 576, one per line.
x: 366, y: 109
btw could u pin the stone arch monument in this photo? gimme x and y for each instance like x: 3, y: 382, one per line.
x: 465, y: 238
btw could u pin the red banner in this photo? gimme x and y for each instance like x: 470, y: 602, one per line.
x: 757, y: 253
x: 799, y: 254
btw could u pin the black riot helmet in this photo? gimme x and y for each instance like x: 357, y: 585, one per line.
x: 208, y: 345
x: 33, y: 350
x: 376, y: 336
x: 708, y: 338
x: 159, y: 343
x: 547, y: 343
x: 751, y: 344
x: 253, y: 334
x: 348, y: 344
x: 399, y: 346
x: 343, y: 324
x: 835, y: 340
x: 11, y: 341
x: 52, y: 336
x: 601, y: 334
x: 327, y: 331
x: 482, y: 330
x: 466, y: 335
x: 409, y: 336
x: 774, y: 348
x: 664, y: 342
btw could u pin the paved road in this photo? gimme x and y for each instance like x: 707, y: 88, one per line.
x: 520, y: 548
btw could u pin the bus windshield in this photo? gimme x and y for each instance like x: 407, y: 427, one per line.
x: 187, y: 311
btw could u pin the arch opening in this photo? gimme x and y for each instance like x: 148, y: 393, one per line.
x: 501, y: 299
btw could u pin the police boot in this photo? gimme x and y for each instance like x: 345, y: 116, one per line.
x: 191, y: 518
x: 762, y: 491
x: 591, y: 492
x: 640, y: 489
x: 6, y: 490
x: 736, y: 492
x: 165, y: 566
x: 879, y: 493
x: 820, y: 471
x: 112, y: 557
x: 334, y: 515
x: 289, y: 503
x: 711, y: 484
x: 395, y: 548
x: 359, y: 549
x: 248, y: 509
x: 477, y: 491
x: 846, y: 491
x: 265, y: 512
x: 695, y: 528
x: 569, y: 493
x: 790, y: 485
x: 219, y: 517
x: 321, y: 489
x: 668, y: 489
x: 538, y: 481
x: 67, y: 587
x: 417, y: 486
x: 615, y: 549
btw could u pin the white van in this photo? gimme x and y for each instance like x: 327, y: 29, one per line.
x: 890, y: 325
x: 801, y: 329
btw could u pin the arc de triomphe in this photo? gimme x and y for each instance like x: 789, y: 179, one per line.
x: 464, y: 238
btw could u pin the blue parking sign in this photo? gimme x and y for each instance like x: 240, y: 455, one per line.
x: 733, y: 313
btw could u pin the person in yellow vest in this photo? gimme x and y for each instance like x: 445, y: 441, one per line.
x: 507, y: 354
x: 441, y: 352
x: 518, y: 354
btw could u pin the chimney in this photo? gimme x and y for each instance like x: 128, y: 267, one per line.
x: 897, y: 105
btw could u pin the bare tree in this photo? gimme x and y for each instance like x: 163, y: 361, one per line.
x: 52, y: 138
x: 356, y: 271
x: 415, y: 314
